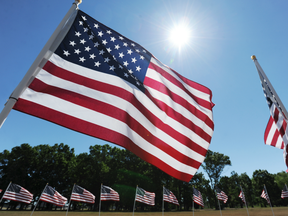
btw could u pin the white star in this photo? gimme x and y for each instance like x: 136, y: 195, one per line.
x: 129, y: 52
x: 106, y: 60
x: 66, y: 53
x: 77, y: 51
x: 77, y: 34
x: 109, y: 49
x: 87, y: 48
x: 125, y: 44
x: 97, y: 63
x: 100, y: 34
x: 82, y: 59
x: 114, y: 57
x: 130, y: 71
x: 137, y: 50
x: 142, y: 57
x: 101, y: 52
x: 108, y: 32
x: 112, y: 68
x: 121, y: 38
x: 112, y: 39
x: 137, y: 83
x: 96, y: 25
x: 126, y: 75
x: 72, y: 43
x: 134, y: 60
x: 85, y: 29
x: 138, y: 68
x: 125, y: 63
x: 92, y: 56
x: 104, y: 42
x: 120, y: 66
x: 80, y: 23
x: 91, y: 37
x: 96, y: 44
x: 144, y: 51
x: 121, y: 55
x: 84, y: 18
x: 117, y: 47
x: 83, y: 41
x: 133, y: 44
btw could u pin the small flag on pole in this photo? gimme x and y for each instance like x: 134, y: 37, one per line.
x: 82, y: 195
x: 108, y: 193
x: 168, y: 196
x: 197, y: 197
x: 265, y: 195
x: 242, y: 196
x: 50, y: 195
x: 221, y: 195
x: 17, y: 193
x: 284, y: 193
x: 145, y: 196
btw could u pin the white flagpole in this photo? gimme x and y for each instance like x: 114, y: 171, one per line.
x: 35, y: 67
x: 70, y: 199
x: 269, y: 199
x: 5, y: 191
x: 135, y: 199
x: 38, y: 199
x: 100, y: 199
x: 244, y: 199
x: 163, y: 203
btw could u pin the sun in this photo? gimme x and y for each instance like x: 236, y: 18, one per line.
x: 180, y: 35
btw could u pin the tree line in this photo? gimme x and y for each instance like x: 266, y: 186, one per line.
x: 58, y: 165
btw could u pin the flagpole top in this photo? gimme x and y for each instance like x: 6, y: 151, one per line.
x: 253, y: 57
x: 79, y: 1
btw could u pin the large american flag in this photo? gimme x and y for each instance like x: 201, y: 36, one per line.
x: 168, y: 196
x: 221, y: 195
x: 100, y: 83
x: 264, y: 195
x: 197, y: 197
x: 107, y: 193
x: 145, y: 196
x: 82, y: 195
x: 284, y: 193
x: 276, y: 133
x: 50, y: 195
x: 17, y: 193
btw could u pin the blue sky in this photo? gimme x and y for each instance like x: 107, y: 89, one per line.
x: 224, y: 36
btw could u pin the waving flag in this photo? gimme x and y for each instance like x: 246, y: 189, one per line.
x: 82, y: 195
x: 108, y: 193
x: 284, y: 193
x: 50, y: 195
x: 264, y: 195
x: 197, y: 197
x: 102, y: 84
x: 168, y: 196
x: 17, y: 193
x: 242, y: 196
x: 221, y: 195
x: 145, y: 196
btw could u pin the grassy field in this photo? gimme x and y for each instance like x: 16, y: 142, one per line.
x: 279, y: 211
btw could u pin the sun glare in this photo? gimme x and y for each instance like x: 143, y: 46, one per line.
x: 180, y: 35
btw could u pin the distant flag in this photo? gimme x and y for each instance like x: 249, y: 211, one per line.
x: 168, y: 196
x: 50, y: 195
x: 221, y: 195
x: 276, y: 131
x: 145, y: 196
x: 102, y: 84
x: 0, y: 190
x: 284, y: 193
x: 17, y: 193
x: 197, y: 197
x: 242, y: 196
x: 108, y: 193
x: 82, y: 195
x: 264, y: 195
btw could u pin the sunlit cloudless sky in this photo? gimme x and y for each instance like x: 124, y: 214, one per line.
x: 223, y: 36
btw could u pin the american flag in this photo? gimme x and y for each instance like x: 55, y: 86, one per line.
x: 276, y: 130
x: 17, y: 193
x: 100, y: 83
x: 50, y: 195
x: 221, y: 195
x: 168, y: 196
x: 145, y: 196
x: 284, y: 193
x: 242, y: 196
x: 265, y: 195
x: 82, y: 195
x: 197, y: 197
x: 108, y: 193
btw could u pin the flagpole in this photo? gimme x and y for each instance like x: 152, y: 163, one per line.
x: 35, y: 67
x: 269, y: 200
x: 243, y: 194
x: 163, y: 203
x: 135, y: 199
x: 70, y: 199
x: 38, y: 200
x: 100, y: 198
x: 219, y: 204
x: 5, y: 191
x: 193, y: 200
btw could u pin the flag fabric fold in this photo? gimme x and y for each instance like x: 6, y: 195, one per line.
x: 17, y: 193
x: 107, y: 193
x: 50, y: 195
x: 242, y: 196
x: 264, y: 195
x: 221, y: 195
x: 145, y: 196
x: 102, y: 84
x: 168, y: 196
x: 82, y: 195
x: 284, y: 193
x: 197, y: 197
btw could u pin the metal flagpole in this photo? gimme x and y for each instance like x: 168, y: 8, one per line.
x: 219, y: 204
x: 269, y: 199
x: 70, y: 199
x: 38, y: 200
x: 244, y: 199
x: 135, y: 199
x: 193, y: 200
x: 100, y: 199
x: 5, y: 191
x: 163, y: 203
x: 35, y: 67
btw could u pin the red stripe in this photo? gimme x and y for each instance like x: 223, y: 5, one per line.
x: 267, y: 130
x: 276, y: 115
x: 102, y: 133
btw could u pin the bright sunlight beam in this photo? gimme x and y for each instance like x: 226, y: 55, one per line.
x: 180, y: 35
